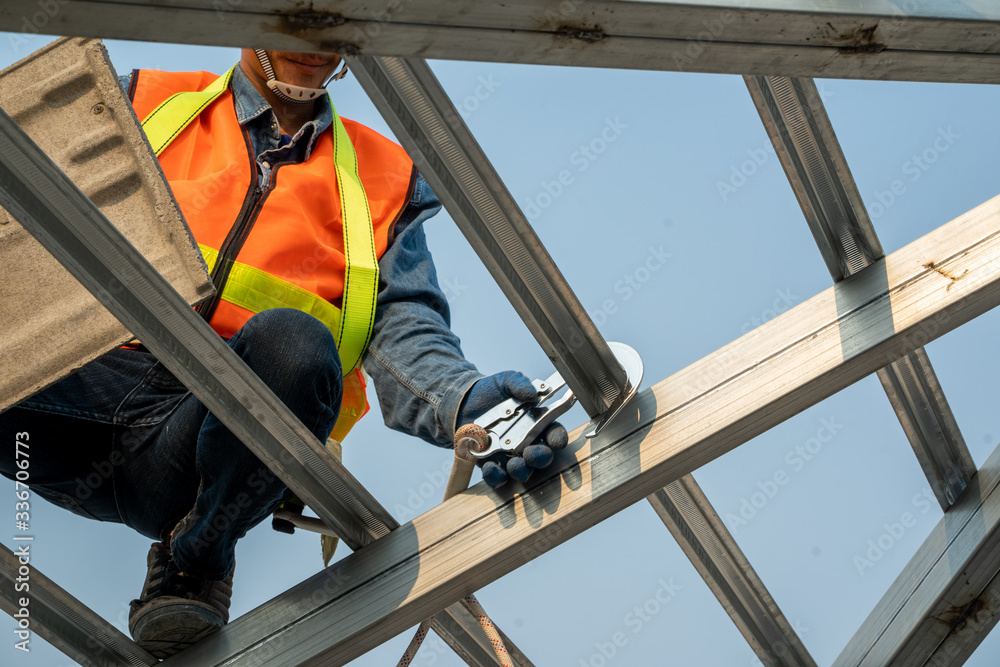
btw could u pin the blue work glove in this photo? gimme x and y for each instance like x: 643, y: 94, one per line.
x: 491, y: 391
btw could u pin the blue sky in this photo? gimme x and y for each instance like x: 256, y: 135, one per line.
x: 614, y: 168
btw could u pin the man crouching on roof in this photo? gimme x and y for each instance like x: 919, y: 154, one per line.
x: 317, y: 251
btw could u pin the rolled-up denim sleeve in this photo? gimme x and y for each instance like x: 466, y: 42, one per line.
x: 414, y: 359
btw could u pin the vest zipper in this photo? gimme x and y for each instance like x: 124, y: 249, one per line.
x: 253, y: 203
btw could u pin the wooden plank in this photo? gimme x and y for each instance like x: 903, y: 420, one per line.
x: 945, y: 601
x: 790, y: 363
x: 938, y: 41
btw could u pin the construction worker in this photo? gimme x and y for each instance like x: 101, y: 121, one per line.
x: 312, y: 228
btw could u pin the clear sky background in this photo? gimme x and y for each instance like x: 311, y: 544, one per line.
x: 735, y: 257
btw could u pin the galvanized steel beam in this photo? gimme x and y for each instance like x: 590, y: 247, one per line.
x: 931, y: 41
x: 803, y: 137
x: 930, y: 426
x: 796, y: 121
x: 772, y: 373
x: 705, y: 540
x: 429, y: 126
x: 58, y: 617
x: 947, y: 598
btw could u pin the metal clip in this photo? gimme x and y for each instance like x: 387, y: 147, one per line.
x: 513, y: 425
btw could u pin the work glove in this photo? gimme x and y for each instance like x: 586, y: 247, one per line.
x: 490, y: 392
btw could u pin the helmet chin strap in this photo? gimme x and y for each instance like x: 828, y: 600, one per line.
x: 289, y: 92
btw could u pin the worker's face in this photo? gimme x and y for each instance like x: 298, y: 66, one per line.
x: 309, y: 70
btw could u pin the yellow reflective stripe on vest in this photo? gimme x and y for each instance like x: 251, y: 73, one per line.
x: 353, y: 327
x: 249, y: 287
x: 170, y: 118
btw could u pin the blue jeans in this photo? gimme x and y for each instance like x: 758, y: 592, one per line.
x: 123, y: 440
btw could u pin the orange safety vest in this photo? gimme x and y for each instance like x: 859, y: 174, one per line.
x: 281, y: 245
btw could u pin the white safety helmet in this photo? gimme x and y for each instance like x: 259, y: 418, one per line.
x: 289, y: 92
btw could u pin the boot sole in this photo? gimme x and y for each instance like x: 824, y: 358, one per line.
x: 169, y: 626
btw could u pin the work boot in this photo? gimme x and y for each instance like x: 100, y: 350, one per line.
x: 176, y: 610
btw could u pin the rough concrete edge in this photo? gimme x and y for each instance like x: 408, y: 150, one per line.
x: 116, y: 99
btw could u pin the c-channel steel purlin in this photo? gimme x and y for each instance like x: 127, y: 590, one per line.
x: 797, y: 123
x: 708, y: 544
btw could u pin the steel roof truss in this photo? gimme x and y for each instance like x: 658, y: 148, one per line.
x: 788, y: 364
x: 945, y: 601
x: 708, y: 544
x: 797, y: 123
x: 429, y: 126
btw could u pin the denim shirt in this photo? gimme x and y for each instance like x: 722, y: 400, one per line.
x: 414, y: 359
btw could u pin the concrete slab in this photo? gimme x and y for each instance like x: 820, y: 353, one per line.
x: 66, y: 96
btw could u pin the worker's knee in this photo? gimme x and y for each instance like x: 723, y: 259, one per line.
x: 288, y: 345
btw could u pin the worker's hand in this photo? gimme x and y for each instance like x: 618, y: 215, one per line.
x: 491, y: 391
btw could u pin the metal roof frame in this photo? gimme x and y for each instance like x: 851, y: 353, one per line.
x: 772, y: 373
x: 848, y: 331
x: 930, y: 40
x: 807, y: 147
